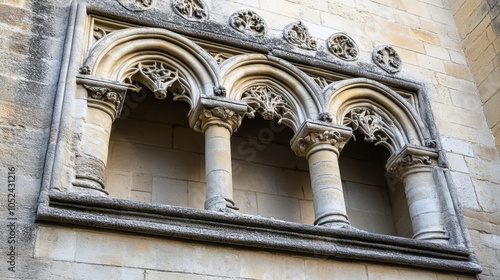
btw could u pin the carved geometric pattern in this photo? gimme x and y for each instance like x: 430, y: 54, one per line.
x: 249, y: 23
x: 158, y: 77
x: 387, y: 58
x: 269, y: 103
x: 370, y: 124
x: 343, y: 47
x: 104, y: 94
x: 297, y: 34
x: 326, y: 137
x: 136, y: 5
x: 194, y: 10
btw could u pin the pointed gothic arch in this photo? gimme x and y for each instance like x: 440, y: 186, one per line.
x: 272, y: 87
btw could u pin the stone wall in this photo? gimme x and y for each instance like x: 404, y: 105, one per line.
x: 457, y: 66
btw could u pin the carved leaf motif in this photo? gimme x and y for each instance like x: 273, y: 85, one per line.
x: 194, y: 10
x: 387, y: 58
x: 136, y: 5
x: 266, y: 101
x: 160, y: 79
x: 408, y: 161
x: 248, y: 22
x: 104, y: 94
x: 328, y: 137
x: 343, y: 47
x: 371, y: 125
x: 297, y: 34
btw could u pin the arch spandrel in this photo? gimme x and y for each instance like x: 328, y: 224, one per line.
x: 244, y: 73
x: 384, y: 110
x: 114, y: 55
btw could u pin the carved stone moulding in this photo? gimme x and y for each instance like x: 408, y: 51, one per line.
x: 387, y: 58
x: 249, y: 23
x: 298, y: 35
x: 193, y: 10
x: 137, y: 5
x: 343, y: 47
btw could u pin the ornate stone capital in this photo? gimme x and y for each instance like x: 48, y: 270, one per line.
x: 220, y: 112
x: 412, y: 159
x: 312, y: 137
x: 136, y: 5
x: 387, y: 58
x: 104, y: 95
x: 343, y: 47
x: 249, y: 23
x: 298, y: 35
x: 193, y: 10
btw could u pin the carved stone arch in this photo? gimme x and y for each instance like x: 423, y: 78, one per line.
x: 257, y: 72
x: 404, y: 121
x: 137, y: 54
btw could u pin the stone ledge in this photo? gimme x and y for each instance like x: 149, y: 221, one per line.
x: 251, y: 231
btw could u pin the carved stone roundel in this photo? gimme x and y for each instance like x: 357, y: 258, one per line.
x: 249, y: 23
x: 296, y: 33
x: 193, y: 10
x: 387, y: 58
x: 343, y: 47
x: 136, y: 5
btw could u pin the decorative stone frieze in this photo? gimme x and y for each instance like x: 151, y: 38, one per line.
x: 297, y: 34
x: 387, y: 58
x: 136, y: 5
x: 160, y: 79
x: 343, y: 47
x: 321, y: 145
x: 414, y: 166
x: 249, y: 23
x: 268, y: 102
x: 370, y: 124
x: 193, y: 10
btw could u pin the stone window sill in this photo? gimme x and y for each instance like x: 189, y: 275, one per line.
x: 251, y: 231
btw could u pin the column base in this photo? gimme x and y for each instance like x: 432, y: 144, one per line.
x: 221, y: 204
x: 332, y: 220
x: 436, y: 234
x: 89, y: 186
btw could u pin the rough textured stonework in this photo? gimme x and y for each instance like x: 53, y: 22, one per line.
x: 56, y: 110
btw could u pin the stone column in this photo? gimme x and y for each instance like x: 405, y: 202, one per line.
x: 414, y: 167
x: 218, y: 120
x: 104, y: 101
x: 321, y: 145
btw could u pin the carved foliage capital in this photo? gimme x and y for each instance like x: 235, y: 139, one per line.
x: 220, y: 116
x: 297, y: 34
x: 387, y: 58
x: 315, y: 136
x: 249, y: 23
x: 193, y: 10
x: 108, y: 96
x: 412, y: 159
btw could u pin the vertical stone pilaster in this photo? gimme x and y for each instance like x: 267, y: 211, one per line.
x: 414, y: 166
x: 321, y: 145
x: 104, y: 103
x: 218, y: 119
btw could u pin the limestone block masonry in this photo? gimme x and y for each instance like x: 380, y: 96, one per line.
x: 231, y: 167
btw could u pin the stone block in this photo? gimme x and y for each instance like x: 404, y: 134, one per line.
x: 278, y: 207
x: 360, y: 171
x: 142, y: 132
x: 465, y: 100
x: 457, y: 57
x: 292, y: 183
x: 140, y: 196
x: 325, y: 269
x: 118, y: 184
x: 196, y: 195
x: 246, y: 201
x: 161, y: 275
x: 431, y: 63
x: 457, y: 146
x: 307, y: 212
x: 82, y: 271
x: 55, y: 243
x: 487, y: 195
x: 254, y: 177
x: 169, y: 191
x: 142, y: 182
x: 187, y: 139
x: 367, y: 198
x: 457, y: 163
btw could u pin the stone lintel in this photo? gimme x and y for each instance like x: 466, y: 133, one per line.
x: 311, y: 133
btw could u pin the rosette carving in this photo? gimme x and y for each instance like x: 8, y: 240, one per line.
x: 249, y: 23
x: 298, y: 35
x: 194, y: 10
x: 136, y: 5
x: 387, y: 58
x: 343, y: 47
